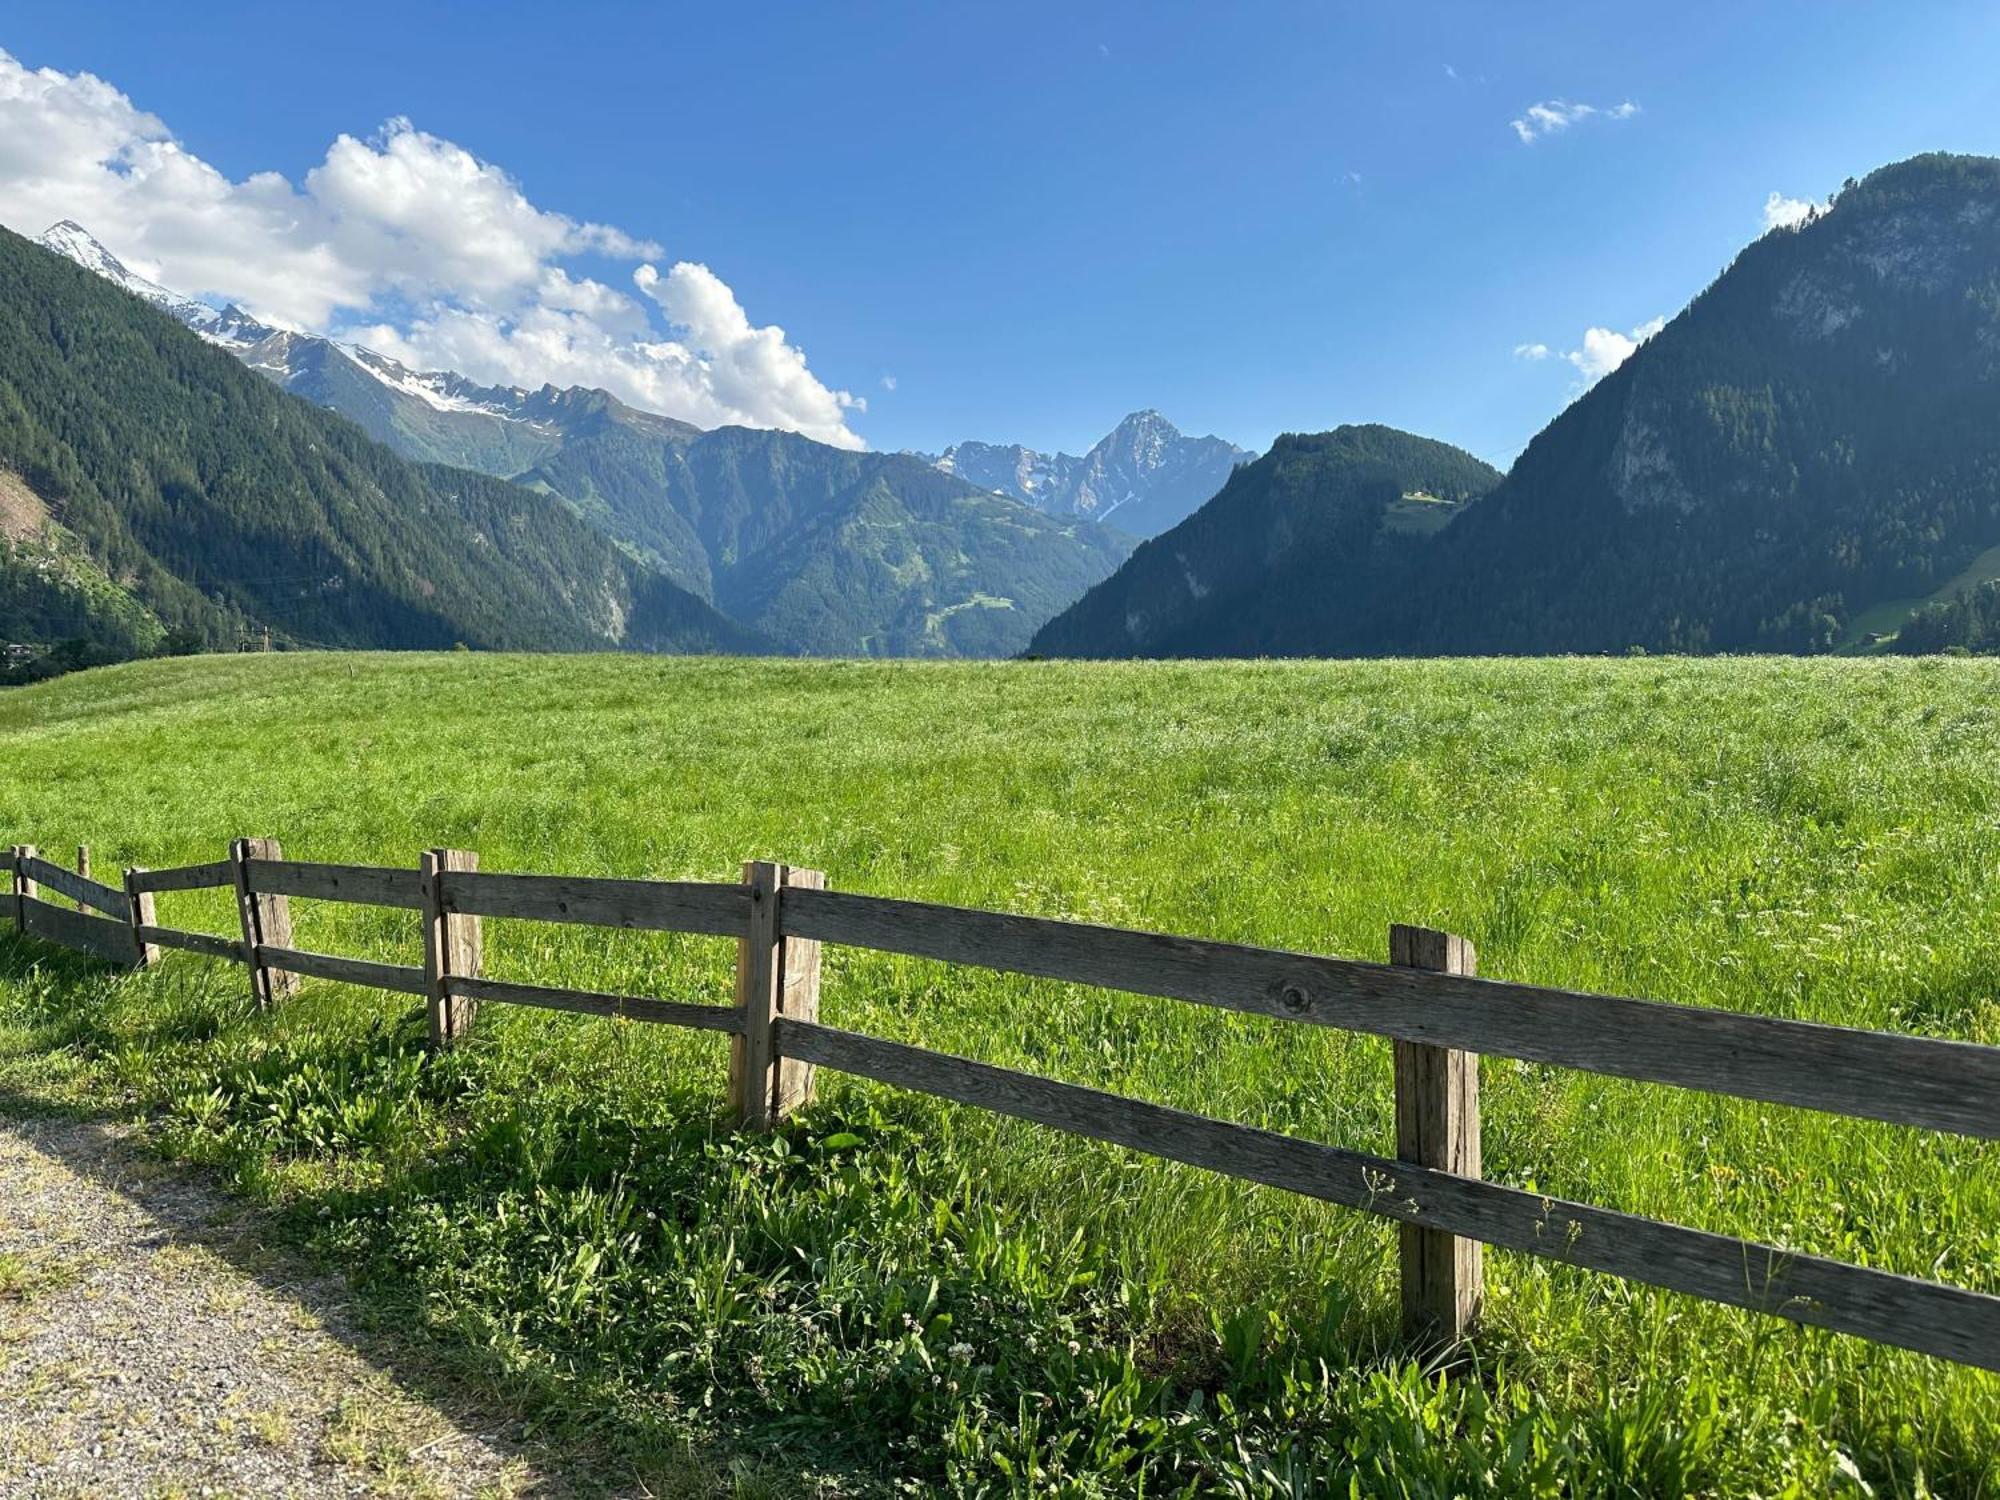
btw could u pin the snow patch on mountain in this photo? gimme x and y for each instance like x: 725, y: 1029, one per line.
x: 73, y: 240
x: 286, y: 357
x: 1144, y: 477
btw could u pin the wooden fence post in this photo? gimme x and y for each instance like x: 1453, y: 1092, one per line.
x: 1437, y: 1125
x: 139, y: 909
x: 451, y: 948
x: 267, y: 922
x: 83, y: 869
x: 25, y: 890
x: 775, y: 975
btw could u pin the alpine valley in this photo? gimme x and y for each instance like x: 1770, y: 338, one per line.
x: 155, y: 495
x: 1806, y: 459
x: 813, y: 548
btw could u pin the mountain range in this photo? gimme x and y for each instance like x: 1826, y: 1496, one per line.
x: 1142, y: 477
x: 1264, y: 563
x: 1804, y: 456
x: 155, y: 494
x: 819, y: 549
x: 1803, y: 460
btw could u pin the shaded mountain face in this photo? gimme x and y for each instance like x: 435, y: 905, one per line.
x: 830, y: 551
x: 153, y: 490
x: 1806, y: 455
x: 1814, y: 439
x: 435, y: 416
x: 1142, y: 477
x: 1276, y: 554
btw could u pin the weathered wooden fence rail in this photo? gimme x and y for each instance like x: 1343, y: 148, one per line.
x: 1426, y: 1001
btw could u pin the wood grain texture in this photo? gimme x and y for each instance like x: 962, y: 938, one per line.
x: 1949, y: 1322
x: 108, y: 899
x: 66, y: 928
x: 365, y: 885
x: 451, y: 948
x: 266, y: 919
x: 140, y: 914
x: 193, y: 942
x: 404, y: 979
x: 641, y: 905
x: 595, y: 1003
x: 1905, y: 1080
x: 753, y: 1054
x: 188, y: 877
x: 798, y: 996
x: 1437, y: 1125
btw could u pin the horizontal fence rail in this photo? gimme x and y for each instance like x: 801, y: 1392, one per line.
x: 108, y: 899
x: 640, y: 905
x: 1905, y: 1080
x: 1427, y: 1000
x: 402, y: 978
x: 1889, y: 1309
x: 363, y: 885
x: 192, y: 942
x: 99, y: 936
x: 186, y: 877
x: 596, y: 1003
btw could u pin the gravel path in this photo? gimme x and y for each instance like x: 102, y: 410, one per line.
x: 149, y: 1348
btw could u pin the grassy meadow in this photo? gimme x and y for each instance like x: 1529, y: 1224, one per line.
x: 895, y: 1294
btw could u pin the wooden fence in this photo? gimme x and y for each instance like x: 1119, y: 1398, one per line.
x: 1427, y: 1000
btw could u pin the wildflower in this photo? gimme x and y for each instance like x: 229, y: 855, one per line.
x: 960, y: 1350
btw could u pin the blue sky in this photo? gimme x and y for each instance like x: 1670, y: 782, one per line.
x: 1035, y: 218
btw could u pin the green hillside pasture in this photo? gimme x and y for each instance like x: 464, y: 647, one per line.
x: 1878, y: 625
x: 900, y: 1293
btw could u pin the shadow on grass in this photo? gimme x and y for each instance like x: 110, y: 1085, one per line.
x: 626, y: 1446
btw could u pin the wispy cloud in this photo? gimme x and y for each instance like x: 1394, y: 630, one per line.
x: 1601, y: 351
x: 888, y: 382
x: 1554, y: 115
x: 1781, y: 212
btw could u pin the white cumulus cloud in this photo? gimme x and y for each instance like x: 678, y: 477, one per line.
x: 1781, y: 212
x: 1605, y: 349
x: 1553, y: 115
x: 406, y: 242
x: 1601, y: 351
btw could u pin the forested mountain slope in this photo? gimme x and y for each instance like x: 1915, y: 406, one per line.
x: 831, y: 551
x: 1279, y: 552
x: 161, y: 491
x: 1815, y: 439
x: 1817, y: 432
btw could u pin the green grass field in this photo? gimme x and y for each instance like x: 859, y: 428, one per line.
x: 896, y: 1294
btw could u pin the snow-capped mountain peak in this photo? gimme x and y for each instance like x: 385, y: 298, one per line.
x: 429, y: 415
x: 1143, y: 476
x: 69, y: 238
